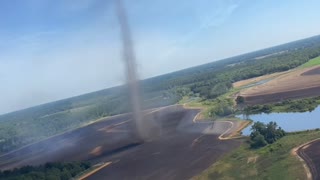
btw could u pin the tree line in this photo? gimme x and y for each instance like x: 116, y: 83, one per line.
x: 48, y: 171
x: 207, y: 81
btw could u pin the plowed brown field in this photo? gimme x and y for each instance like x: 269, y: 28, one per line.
x: 180, y: 150
x: 295, y: 84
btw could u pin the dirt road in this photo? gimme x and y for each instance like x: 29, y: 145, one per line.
x: 310, y: 153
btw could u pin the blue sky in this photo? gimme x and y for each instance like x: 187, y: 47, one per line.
x: 51, y: 50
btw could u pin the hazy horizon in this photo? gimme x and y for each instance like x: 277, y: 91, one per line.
x: 52, y: 51
x: 121, y: 84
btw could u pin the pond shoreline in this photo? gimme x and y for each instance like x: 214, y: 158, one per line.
x: 290, y: 122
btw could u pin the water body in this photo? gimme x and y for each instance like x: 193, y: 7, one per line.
x: 288, y: 121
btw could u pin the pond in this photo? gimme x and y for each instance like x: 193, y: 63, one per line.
x: 288, y: 121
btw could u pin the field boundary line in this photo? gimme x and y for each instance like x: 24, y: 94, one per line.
x: 221, y: 136
x: 294, y: 152
x: 94, y: 171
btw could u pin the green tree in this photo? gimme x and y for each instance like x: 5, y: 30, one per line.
x: 258, y: 141
x: 65, y: 174
x: 258, y: 128
x: 270, y: 133
x: 240, y: 100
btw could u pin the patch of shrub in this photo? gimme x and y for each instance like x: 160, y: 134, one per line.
x: 62, y: 171
x: 263, y: 134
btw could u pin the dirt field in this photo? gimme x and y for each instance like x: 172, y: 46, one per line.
x: 315, y: 71
x: 295, y: 84
x: 311, y: 155
x: 256, y: 79
x: 179, y: 148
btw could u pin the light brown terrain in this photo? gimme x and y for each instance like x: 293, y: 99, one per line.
x: 256, y: 79
x: 298, y: 83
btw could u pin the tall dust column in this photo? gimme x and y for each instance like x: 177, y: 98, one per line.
x: 131, y: 70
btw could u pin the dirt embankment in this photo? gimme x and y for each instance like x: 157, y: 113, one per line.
x: 310, y: 155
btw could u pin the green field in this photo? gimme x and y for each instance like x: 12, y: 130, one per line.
x: 312, y: 62
x: 273, y: 161
x: 214, y: 109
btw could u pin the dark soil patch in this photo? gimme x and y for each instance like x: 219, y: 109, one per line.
x: 312, y: 157
x: 315, y: 71
x: 281, y: 96
x: 174, y: 154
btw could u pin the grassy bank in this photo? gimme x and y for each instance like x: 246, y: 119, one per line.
x: 221, y: 107
x: 274, y: 161
x: 311, y: 63
x: 213, y: 109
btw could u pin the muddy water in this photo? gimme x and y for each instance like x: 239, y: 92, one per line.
x: 289, y: 121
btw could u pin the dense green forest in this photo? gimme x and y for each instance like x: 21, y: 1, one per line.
x: 48, y: 171
x: 207, y: 81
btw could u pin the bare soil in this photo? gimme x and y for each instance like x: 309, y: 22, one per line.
x: 296, y: 84
x: 256, y: 79
x: 311, y: 155
x: 315, y: 71
x: 180, y: 148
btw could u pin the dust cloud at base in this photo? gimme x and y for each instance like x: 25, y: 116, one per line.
x: 143, y: 128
